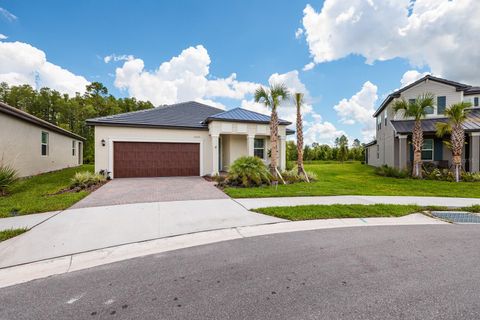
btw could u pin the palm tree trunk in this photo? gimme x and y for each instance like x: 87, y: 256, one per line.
x: 457, y: 141
x: 417, y: 141
x: 301, y: 170
x: 274, y: 142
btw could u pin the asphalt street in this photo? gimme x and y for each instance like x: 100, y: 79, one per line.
x: 401, y: 272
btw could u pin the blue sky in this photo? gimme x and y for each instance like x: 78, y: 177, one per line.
x: 252, y: 39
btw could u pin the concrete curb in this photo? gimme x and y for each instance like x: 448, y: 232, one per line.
x: 79, y: 261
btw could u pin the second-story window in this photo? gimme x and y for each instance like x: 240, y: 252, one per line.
x: 475, y: 102
x: 441, y: 104
x: 386, y: 118
x: 379, y: 122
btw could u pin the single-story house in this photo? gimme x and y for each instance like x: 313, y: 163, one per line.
x: 393, y: 142
x: 33, y: 146
x: 183, y: 139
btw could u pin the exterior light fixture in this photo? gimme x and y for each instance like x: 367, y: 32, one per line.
x: 103, y: 142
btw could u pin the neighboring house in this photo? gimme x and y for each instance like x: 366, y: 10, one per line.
x: 392, y: 145
x: 184, y: 139
x: 32, y: 145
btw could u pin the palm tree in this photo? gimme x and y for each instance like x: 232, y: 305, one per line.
x: 271, y: 98
x: 298, y: 103
x: 417, y: 110
x: 457, y: 114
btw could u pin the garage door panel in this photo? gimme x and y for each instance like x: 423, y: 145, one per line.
x: 156, y: 159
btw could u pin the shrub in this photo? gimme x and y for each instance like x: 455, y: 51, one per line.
x: 248, y: 171
x: 470, y: 176
x: 392, y: 172
x: 290, y: 165
x: 86, y: 179
x: 292, y: 176
x: 8, y: 176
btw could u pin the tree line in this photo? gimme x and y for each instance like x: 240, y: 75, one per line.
x: 341, y: 151
x: 70, y: 112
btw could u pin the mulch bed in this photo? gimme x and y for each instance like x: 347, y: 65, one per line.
x: 78, y: 189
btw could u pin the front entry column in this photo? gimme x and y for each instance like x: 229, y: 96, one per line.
x: 283, y: 153
x: 475, y: 152
x: 215, y: 155
x: 250, y: 144
x: 402, y: 152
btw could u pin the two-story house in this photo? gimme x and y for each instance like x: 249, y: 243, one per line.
x: 392, y: 145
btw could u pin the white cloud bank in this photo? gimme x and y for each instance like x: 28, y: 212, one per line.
x: 437, y: 33
x: 2, y: 36
x: 359, y: 109
x: 21, y: 63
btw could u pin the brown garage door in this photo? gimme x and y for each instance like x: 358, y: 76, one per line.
x: 155, y: 159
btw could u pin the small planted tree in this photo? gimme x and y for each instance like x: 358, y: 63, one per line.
x: 298, y: 97
x: 271, y: 98
x: 417, y: 110
x: 8, y: 176
x: 457, y: 115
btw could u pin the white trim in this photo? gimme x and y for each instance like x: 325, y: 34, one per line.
x: 132, y: 139
x: 474, y: 134
x: 402, y: 136
x: 433, y: 150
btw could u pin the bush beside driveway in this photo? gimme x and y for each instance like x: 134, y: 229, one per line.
x: 353, y: 178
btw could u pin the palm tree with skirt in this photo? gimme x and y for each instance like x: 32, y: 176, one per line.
x: 298, y: 97
x: 457, y: 115
x: 418, y: 110
x: 271, y: 98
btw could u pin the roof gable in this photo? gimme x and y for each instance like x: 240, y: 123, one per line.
x: 396, y: 94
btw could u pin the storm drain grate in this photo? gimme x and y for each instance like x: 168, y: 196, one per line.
x: 457, y: 217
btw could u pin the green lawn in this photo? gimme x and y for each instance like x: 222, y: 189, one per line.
x: 353, y: 178
x: 337, y: 211
x: 310, y: 212
x: 32, y: 195
x: 10, y: 233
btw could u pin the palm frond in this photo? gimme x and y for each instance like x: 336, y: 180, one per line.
x: 442, y: 129
x: 400, y: 104
x: 457, y: 113
x: 262, y: 96
x: 298, y: 97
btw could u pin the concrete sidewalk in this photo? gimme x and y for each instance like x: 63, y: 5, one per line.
x: 27, y: 221
x: 252, y: 203
x: 74, y: 262
x: 79, y: 230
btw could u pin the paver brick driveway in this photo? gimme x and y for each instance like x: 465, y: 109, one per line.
x: 138, y: 190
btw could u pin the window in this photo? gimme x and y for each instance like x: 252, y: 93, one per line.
x: 475, y: 102
x: 44, y: 143
x: 386, y: 116
x: 441, y: 104
x: 378, y: 151
x: 411, y: 100
x: 259, y: 148
x: 74, y: 147
x: 379, y: 122
x: 427, y: 149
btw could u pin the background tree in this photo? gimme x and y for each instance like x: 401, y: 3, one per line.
x: 271, y: 98
x: 457, y: 115
x: 342, y: 145
x: 417, y: 110
x: 298, y: 97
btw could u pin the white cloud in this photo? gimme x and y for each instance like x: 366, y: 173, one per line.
x: 3, y: 37
x: 322, y: 132
x: 309, y: 66
x: 411, y: 76
x: 115, y: 58
x: 298, y: 33
x: 359, y: 109
x: 21, y: 63
x: 7, y: 15
x: 184, y: 77
x: 437, y: 33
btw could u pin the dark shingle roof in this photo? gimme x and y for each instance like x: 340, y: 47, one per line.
x: 243, y: 115
x: 458, y: 86
x: 186, y: 115
x: 472, y: 90
x: 429, y: 125
x: 17, y: 113
x: 371, y: 143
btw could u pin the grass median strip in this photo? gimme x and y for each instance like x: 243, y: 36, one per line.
x: 336, y: 211
x: 10, y: 233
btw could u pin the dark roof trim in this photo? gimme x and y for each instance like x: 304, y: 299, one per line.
x: 289, y: 132
x: 17, y: 113
x: 458, y: 86
x: 219, y: 117
x: 371, y: 143
x: 139, y: 125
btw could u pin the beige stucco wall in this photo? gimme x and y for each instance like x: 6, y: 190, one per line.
x: 20, y: 147
x: 104, y: 154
